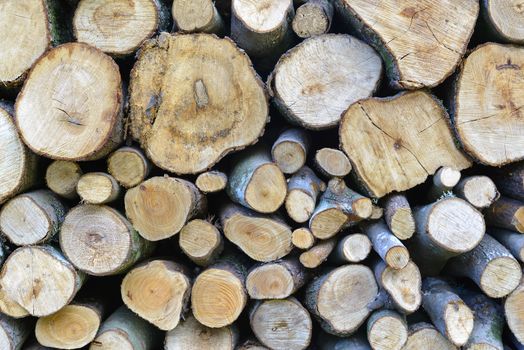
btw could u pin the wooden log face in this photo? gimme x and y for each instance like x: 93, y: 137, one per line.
x: 261, y: 16
x: 128, y: 166
x: 506, y: 18
x: 514, y: 311
x: 196, y: 16
x: 62, y: 177
x: 423, y: 40
x: 191, y: 335
x: 193, y: 99
x: 396, y: 143
x: 425, y: 336
x: 404, y: 286
x: 489, y: 98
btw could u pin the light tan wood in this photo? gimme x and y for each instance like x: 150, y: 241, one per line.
x: 192, y: 16
x: 479, y: 191
x: 302, y: 238
x: 10, y: 307
x: 97, y: 188
x: 506, y: 213
x: 387, y: 330
x: 313, y: 18
x: 317, y: 254
x: 215, y: 106
x: 332, y: 162
x: 211, y: 181
x: 290, y: 150
x: 128, y: 166
x: 395, y: 143
x: 398, y: 216
x: 514, y: 311
x: 386, y: 244
x: 425, y: 336
x: 352, y: 248
x: 158, y: 291
x: 70, y: 107
x: 62, y: 177
x: 160, y: 206
x: 303, y: 189
x: 505, y: 17
x: 201, y: 241
x: 275, y: 280
x: 443, y: 182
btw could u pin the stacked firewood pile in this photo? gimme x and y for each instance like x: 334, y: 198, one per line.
x: 261, y: 174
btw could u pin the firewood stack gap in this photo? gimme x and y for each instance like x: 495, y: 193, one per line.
x: 261, y: 174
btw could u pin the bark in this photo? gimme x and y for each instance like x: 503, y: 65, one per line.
x: 510, y: 180
x: 513, y: 310
x: 387, y: 330
x: 98, y: 188
x: 352, y: 248
x: 506, y: 213
x: 251, y: 344
x: 14, y: 332
x: 211, y: 181
x: 504, y: 20
x: 313, y: 18
x: 354, y: 342
x: 201, y: 241
x: 513, y: 241
x: 129, y: 166
x: 197, y: 16
x: 331, y: 162
x: 398, y: 216
x: 62, y: 177
x: 443, y: 181
x: 424, y: 336
x: 303, y: 189
x: 290, y: 150
x: 316, y: 255
x: 386, y: 245
x: 479, y: 191
x: 302, y: 238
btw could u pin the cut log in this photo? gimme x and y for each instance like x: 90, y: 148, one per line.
x: 190, y: 16
x: 490, y: 101
x: 40, y: 279
x: 386, y: 245
x: 281, y: 324
x: 62, y: 177
x: 128, y: 166
x: 211, y: 181
x: 290, y: 150
x: 275, y: 280
x: 513, y: 241
x: 424, y: 336
x: 353, y: 248
x: 445, y: 229
x: 303, y: 189
x: 32, y: 218
x: 256, y: 182
x: 313, y: 18
x: 13, y: 332
x: 448, y: 312
x: 302, y: 238
x: 339, y: 207
x: 201, y: 242
x: 395, y: 143
x: 479, y: 191
x: 332, y: 162
x: 188, y: 118
x: 510, y: 180
x: 119, y: 27
x: 10, y: 307
x: 340, y: 70
x: 218, y: 295
x: 490, y: 266
x: 72, y: 327
x: 124, y: 330
x: 100, y: 241
x: 387, y: 330
x: 251, y: 344
x: 504, y: 18
x: 158, y: 291
x: 514, y: 312
x: 422, y: 42
x: 313, y: 257
x: 18, y: 165
x: 62, y: 114
x: 443, y: 181
x: 160, y: 206
x: 398, y: 216
x: 354, y: 342
x: 506, y: 213
x: 191, y: 335
x: 97, y: 188
x: 263, y: 238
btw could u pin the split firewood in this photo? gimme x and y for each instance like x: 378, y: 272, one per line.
x: 504, y: 18
x: 128, y: 166
x: 443, y: 181
x: 302, y: 238
x: 10, y: 307
x: 191, y: 335
x: 446, y: 228
x: 176, y: 121
x: 448, y: 312
x: 32, y: 218
x: 72, y: 327
x: 513, y: 241
x: 62, y: 177
x: 395, y: 143
x: 339, y: 298
x: 290, y: 150
x: 281, y: 324
x: 261, y: 237
x: 490, y: 266
x: 14, y: 332
x: 423, y: 335
x: 18, y: 165
x: 160, y: 206
x: 421, y: 41
x: 211, y: 181
x: 303, y: 188
x: 339, y: 207
x: 514, y: 312
x: 477, y: 109
x: 479, y: 191
x: 386, y: 245
x: 201, y: 241
x: 387, y: 330
x: 79, y: 116
x: 332, y: 162
x: 355, y: 342
x: 510, y: 180
x: 40, y: 279
x: 190, y: 16
x: 353, y: 248
x: 316, y: 255
x: 340, y: 70
x: 158, y: 291
x: 97, y: 188
x: 126, y: 331
x: 506, y: 213
x: 398, y: 216
x: 119, y: 28
x: 313, y: 18
x: 218, y: 295
x: 276, y: 280
x: 100, y: 241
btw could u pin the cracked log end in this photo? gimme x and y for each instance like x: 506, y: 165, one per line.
x: 395, y: 143
x: 212, y: 103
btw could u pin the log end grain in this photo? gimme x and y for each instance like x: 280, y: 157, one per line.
x: 479, y: 191
x: 332, y: 162
x: 459, y: 321
x: 514, y: 312
x: 97, y: 188
x: 201, y: 241
x: 386, y: 330
x: 505, y: 18
x: 302, y: 238
x: 270, y: 281
x: 191, y: 335
x: 500, y: 277
x: 211, y: 181
x: 313, y: 18
x: 62, y: 178
x: 128, y: 166
x: 196, y: 16
x: 422, y: 335
x: 267, y: 189
x: 404, y: 286
x: 299, y: 205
